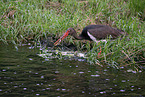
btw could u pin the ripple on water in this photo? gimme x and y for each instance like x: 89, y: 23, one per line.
x: 102, y: 92
x: 95, y: 75
x: 37, y: 94
x: 42, y: 76
x: 122, y: 90
x: 81, y: 72
x: 123, y: 81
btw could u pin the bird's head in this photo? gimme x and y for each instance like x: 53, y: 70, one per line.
x: 69, y: 31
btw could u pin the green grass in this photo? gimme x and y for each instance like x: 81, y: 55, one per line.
x: 28, y: 20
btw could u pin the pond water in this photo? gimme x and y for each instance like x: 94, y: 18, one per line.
x: 23, y: 73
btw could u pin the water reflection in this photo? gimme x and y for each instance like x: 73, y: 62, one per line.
x: 23, y: 73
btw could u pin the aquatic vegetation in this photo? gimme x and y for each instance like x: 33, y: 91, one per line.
x: 31, y: 20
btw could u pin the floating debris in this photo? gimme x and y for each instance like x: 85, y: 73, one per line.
x: 50, y: 54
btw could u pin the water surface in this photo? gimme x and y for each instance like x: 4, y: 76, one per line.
x: 23, y: 73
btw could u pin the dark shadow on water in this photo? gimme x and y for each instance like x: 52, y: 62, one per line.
x: 23, y: 73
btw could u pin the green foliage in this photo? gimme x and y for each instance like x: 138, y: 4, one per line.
x: 137, y: 8
x: 27, y: 20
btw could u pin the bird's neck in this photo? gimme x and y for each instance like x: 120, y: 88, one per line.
x: 77, y: 37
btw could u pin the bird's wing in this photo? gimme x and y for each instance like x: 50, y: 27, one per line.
x: 104, y: 32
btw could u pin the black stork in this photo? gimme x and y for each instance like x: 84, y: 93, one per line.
x: 93, y: 32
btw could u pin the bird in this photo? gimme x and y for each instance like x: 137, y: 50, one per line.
x: 95, y: 33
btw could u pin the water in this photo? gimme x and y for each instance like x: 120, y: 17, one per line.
x: 23, y: 73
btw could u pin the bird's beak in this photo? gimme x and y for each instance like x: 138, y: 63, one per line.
x: 62, y: 37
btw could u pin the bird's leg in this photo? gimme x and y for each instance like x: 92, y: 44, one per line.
x: 100, y: 46
x: 99, y: 52
x: 100, y: 49
x: 98, y: 43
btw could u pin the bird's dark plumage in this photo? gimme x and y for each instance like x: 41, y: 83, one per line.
x: 101, y: 32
